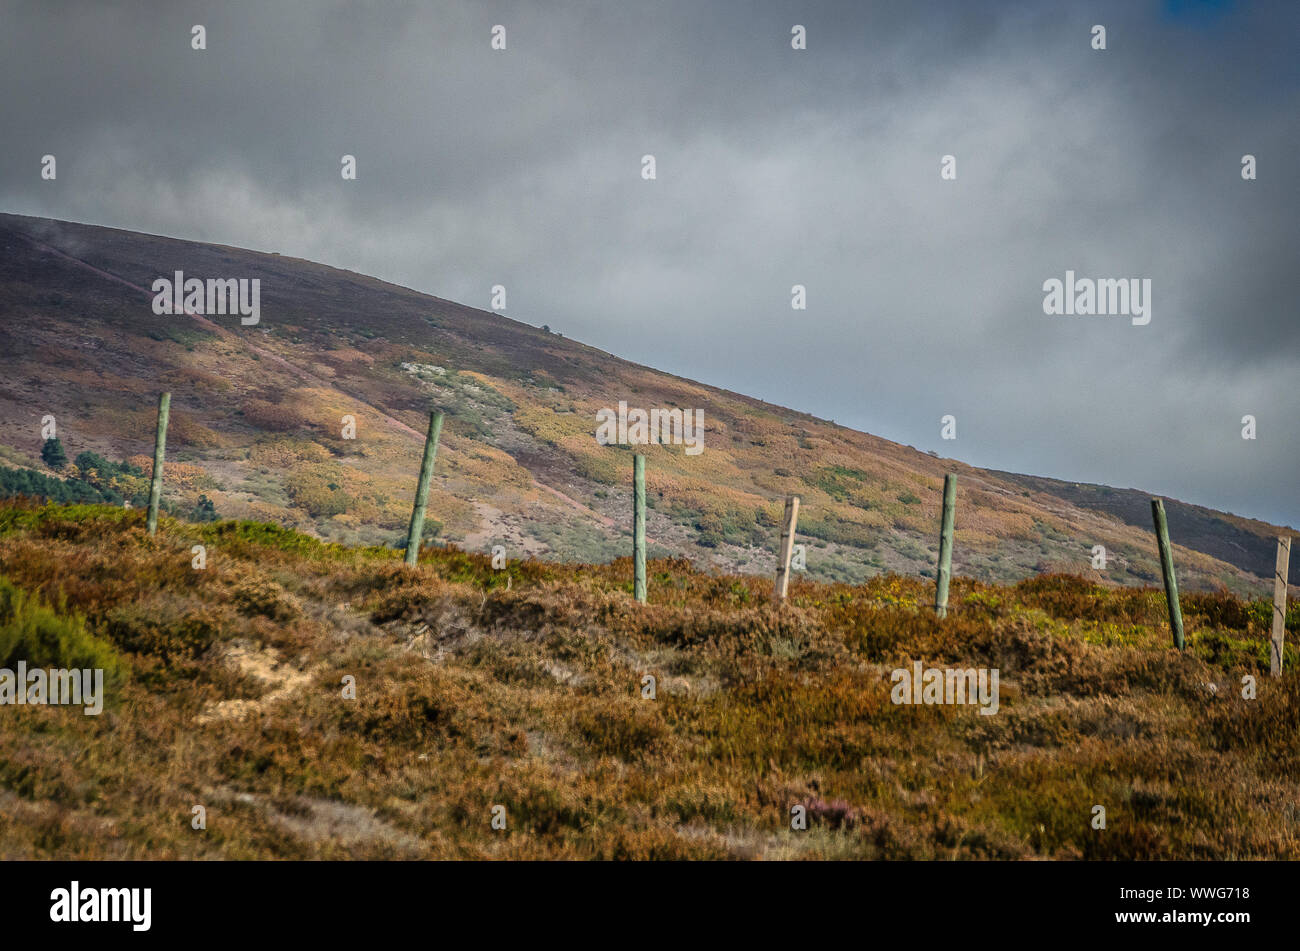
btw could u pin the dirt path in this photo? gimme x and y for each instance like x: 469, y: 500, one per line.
x: 263, y: 665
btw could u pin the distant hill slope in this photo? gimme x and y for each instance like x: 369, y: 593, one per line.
x: 1246, y: 543
x: 256, y: 426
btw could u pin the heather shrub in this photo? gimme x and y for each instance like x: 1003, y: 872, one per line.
x: 168, y: 632
x: 32, y: 632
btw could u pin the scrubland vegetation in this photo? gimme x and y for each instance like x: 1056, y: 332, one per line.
x: 523, y: 688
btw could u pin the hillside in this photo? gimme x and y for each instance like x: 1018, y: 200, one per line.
x: 525, y: 689
x: 257, y: 410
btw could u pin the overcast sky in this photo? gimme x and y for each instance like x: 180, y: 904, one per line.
x: 775, y: 167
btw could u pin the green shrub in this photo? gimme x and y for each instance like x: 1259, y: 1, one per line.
x: 53, y: 455
x: 839, y: 482
x: 204, y: 510
x: 39, y: 635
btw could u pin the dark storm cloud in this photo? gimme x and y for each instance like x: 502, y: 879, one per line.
x: 775, y: 168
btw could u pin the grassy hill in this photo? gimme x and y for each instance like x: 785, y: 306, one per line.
x: 523, y: 688
x: 256, y: 428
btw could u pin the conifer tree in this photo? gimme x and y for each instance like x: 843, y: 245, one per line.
x: 53, y: 455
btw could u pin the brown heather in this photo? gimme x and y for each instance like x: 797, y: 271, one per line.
x: 471, y: 694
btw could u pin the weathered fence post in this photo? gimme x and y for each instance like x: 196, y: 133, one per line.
x: 416, y: 530
x: 1167, y: 567
x: 1279, y: 605
x: 787, y: 546
x: 159, y: 450
x: 638, y: 527
x: 944, y: 574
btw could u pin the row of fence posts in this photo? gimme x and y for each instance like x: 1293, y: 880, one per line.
x: 1277, y: 638
x: 782, y: 586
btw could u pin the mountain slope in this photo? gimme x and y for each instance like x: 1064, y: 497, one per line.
x: 257, y: 420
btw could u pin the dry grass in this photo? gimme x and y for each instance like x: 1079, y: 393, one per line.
x: 522, y: 688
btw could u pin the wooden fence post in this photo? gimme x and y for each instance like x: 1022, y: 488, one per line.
x: 944, y: 574
x: 159, y: 450
x: 638, y: 527
x: 1279, y: 605
x: 787, y: 546
x: 416, y: 529
x: 1167, y: 567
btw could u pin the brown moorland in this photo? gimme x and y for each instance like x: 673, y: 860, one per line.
x: 523, y: 688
